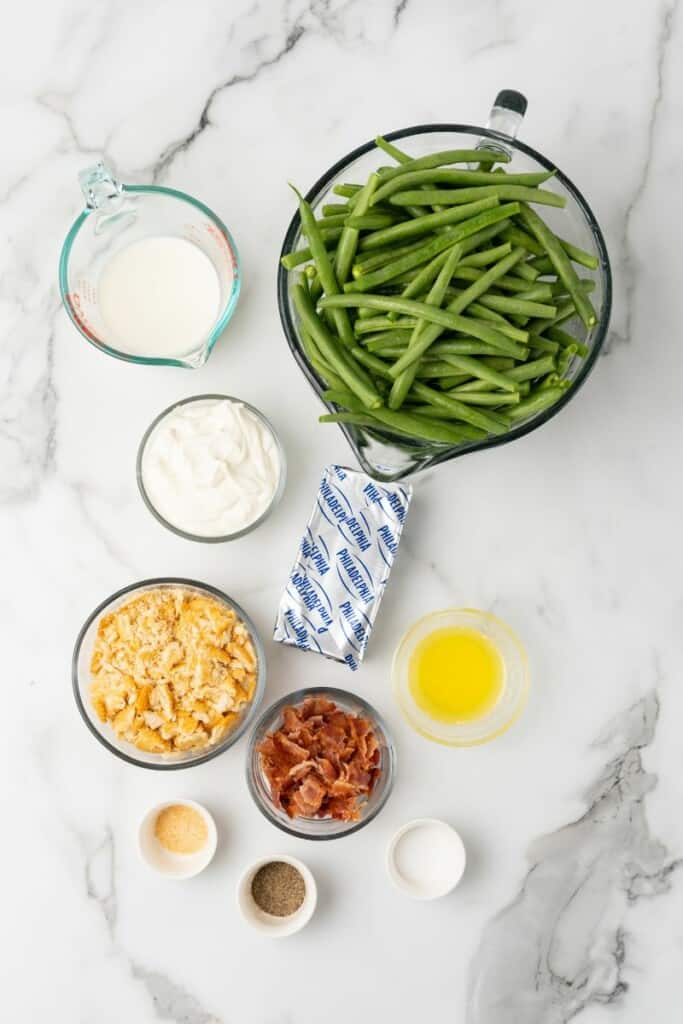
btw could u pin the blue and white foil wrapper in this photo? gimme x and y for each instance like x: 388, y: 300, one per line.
x: 342, y: 568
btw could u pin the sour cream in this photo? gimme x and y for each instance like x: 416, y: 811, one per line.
x: 211, y: 467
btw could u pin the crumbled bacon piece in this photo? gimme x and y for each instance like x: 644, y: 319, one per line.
x: 321, y: 762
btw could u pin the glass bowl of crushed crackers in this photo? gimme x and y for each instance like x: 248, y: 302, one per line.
x: 168, y: 673
x: 320, y: 763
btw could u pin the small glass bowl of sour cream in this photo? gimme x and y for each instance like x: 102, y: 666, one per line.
x: 211, y: 468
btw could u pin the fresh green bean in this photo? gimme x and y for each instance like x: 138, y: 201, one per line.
x: 564, y: 360
x: 434, y: 160
x: 526, y: 271
x: 349, y: 401
x: 346, y: 190
x: 332, y: 209
x: 520, y: 374
x: 314, y: 358
x: 357, y: 381
x: 414, y: 259
x: 542, y: 264
x: 486, y: 256
x: 527, y: 371
x: 508, y: 303
x: 476, y: 312
x: 291, y: 260
x: 422, y: 280
x: 466, y: 364
x: 422, y: 428
x: 499, y: 339
x: 440, y: 317
x: 445, y: 383
x: 516, y: 340
x: 471, y: 226
x: 536, y: 402
x: 401, y: 158
x: 484, y: 280
x: 336, y: 221
x: 323, y: 265
x: 396, y: 154
x: 537, y: 343
x: 448, y: 197
x: 516, y: 236
x: 472, y: 347
x: 586, y: 284
x: 508, y: 282
x: 425, y: 277
x: 383, y: 339
x: 403, y: 381
x: 450, y: 177
x: 586, y: 259
x: 565, y: 311
x: 541, y: 292
x: 428, y: 369
x: 372, y: 221
x: 564, y: 339
x: 430, y: 221
x: 469, y: 398
x: 357, y: 419
x: 561, y: 262
x: 367, y: 262
x: 475, y: 241
x: 376, y: 324
x: 492, y: 398
x: 348, y: 242
x: 314, y: 286
x: 490, y: 422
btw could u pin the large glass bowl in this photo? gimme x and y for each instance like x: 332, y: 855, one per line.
x: 386, y: 456
x: 81, y: 680
x: 320, y: 828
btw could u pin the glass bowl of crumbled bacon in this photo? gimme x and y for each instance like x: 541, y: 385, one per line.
x: 320, y: 763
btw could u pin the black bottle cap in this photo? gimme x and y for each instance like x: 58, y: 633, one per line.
x: 510, y: 99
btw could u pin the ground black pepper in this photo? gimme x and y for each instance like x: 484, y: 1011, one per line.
x: 278, y: 888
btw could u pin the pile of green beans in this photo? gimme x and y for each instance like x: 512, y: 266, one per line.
x: 431, y: 298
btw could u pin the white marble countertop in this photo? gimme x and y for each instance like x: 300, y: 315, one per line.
x: 572, y: 903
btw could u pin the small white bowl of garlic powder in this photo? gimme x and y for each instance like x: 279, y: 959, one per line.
x: 211, y: 468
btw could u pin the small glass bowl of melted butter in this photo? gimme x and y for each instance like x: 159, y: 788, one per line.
x: 460, y: 676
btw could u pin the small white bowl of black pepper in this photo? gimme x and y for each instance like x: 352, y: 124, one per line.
x: 277, y: 895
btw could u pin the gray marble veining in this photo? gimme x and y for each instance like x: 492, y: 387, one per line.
x: 562, y: 943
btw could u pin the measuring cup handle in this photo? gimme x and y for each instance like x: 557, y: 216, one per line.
x: 99, y: 187
x: 507, y: 114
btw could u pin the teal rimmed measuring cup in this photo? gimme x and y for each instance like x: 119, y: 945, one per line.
x: 117, y: 215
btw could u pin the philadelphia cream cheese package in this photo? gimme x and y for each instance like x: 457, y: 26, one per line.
x: 343, y: 564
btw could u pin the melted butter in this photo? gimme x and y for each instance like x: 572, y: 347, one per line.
x: 455, y: 674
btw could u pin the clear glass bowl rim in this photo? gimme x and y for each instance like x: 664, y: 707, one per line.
x: 233, y: 736
x: 433, y: 459
x: 220, y: 324
x: 279, y: 490
x: 400, y: 654
x: 297, y: 697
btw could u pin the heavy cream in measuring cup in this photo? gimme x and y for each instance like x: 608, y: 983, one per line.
x: 158, y: 297
x: 211, y: 467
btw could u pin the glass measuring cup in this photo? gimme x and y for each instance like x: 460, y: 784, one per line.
x: 117, y: 215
